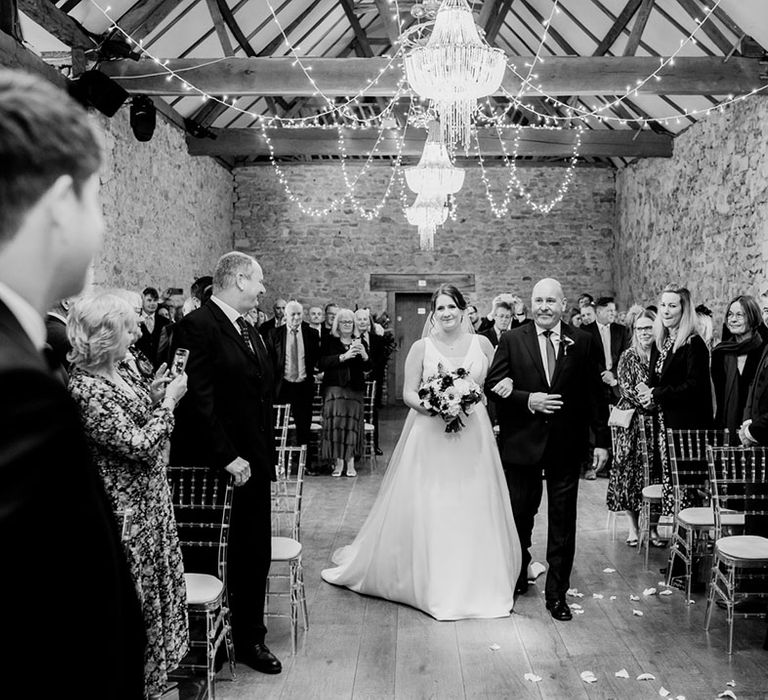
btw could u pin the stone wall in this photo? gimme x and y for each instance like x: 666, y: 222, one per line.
x: 168, y: 215
x: 700, y: 218
x: 317, y: 259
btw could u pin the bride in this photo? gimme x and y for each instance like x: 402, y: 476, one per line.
x: 440, y: 536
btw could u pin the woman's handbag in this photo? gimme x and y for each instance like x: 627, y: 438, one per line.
x: 620, y: 417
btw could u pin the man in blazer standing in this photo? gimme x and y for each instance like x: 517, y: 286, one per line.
x: 70, y: 602
x: 294, y: 349
x: 225, y: 422
x: 545, y: 375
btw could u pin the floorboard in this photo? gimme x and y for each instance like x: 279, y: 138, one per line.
x: 365, y: 648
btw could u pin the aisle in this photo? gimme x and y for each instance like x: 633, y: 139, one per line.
x: 361, y: 647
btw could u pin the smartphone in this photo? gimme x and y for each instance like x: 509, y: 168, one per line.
x: 179, y: 363
x: 642, y: 386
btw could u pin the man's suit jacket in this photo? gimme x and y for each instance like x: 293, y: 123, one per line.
x: 267, y: 327
x: 756, y: 408
x: 524, y: 434
x: 149, y: 343
x: 683, y: 389
x: 490, y: 333
x: 619, y: 343
x: 227, y: 411
x: 276, y: 342
x: 56, y: 337
x: 67, y: 587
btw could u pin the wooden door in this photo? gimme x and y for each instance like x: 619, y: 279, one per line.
x: 411, y: 311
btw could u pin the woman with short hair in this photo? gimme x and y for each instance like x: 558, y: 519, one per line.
x: 128, y: 423
x: 343, y: 361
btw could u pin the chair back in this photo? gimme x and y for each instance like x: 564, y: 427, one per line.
x: 202, y: 506
x: 645, y: 441
x: 287, y: 493
x: 369, y: 400
x: 282, y: 418
x: 739, y: 478
x: 687, y: 451
x: 317, y: 401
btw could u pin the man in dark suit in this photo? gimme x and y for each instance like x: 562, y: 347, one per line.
x: 612, y: 339
x: 754, y: 429
x: 502, y: 318
x: 225, y: 422
x: 545, y: 375
x: 151, y: 325
x: 56, y: 336
x: 329, y: 312
x: 276, y: 321
x: 295, y: 349
x: 69, y: 597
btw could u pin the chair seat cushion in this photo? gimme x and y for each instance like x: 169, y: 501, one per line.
x: 285, y: 548
x: 652, y: 491
x: 750, y: 547
x: 202, y: 588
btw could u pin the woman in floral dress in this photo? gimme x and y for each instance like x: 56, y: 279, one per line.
x: 128, y: 423
x: 625, y: 486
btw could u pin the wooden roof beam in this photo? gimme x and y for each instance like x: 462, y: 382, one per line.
x: 532, y: 142
x: 697, y: 12
x: 144, y: 16
x: 499, y: 12
x: 619, y: 25
x: 66, y: 29
x: 559, y: 75
x: 641, y: 19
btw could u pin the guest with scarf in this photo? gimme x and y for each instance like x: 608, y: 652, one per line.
x: 735, y: 361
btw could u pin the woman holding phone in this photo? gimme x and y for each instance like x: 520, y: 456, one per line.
x: 128, y: 423
x: 343, y: 361
x: 680, y: 387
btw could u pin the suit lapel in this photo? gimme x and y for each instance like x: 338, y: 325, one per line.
x: 561, y: 353
x: 532, y: 345
x: 228, y: 329
x: 13, y: 333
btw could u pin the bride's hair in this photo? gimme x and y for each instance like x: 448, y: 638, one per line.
x: 451, y: 291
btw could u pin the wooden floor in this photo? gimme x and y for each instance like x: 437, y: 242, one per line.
x: 360, y: 647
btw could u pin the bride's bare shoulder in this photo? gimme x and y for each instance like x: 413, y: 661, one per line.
x: 485, y: 345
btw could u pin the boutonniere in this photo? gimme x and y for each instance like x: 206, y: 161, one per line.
x: 567, y: 342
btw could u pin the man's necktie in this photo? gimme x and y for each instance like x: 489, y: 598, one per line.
x: 294, y: 355
x: 551, y: 357
x: 242, y: 324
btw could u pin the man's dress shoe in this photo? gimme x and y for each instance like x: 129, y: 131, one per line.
x: 559, y: 610
x: 521, y: 587
x: 260, y: 658
x: 379, y: 452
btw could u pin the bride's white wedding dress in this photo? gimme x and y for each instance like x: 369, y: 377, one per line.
x: 440, y: 536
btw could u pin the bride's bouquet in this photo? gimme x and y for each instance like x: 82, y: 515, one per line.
x: 448, y: 394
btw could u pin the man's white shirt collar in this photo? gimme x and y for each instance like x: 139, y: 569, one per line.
x: 230, y: 312
x: 556, y: 330
x: 29, y: 319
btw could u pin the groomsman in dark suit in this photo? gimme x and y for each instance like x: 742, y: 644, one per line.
x: 754, y: 429
x: 612, y: 339
x: 225, y: 422
x: 502, y: 318
x: 56, y: 336
x: 546, y: 375
x: 294, y: 349
x: 276, y: 321
x: 70, y: 605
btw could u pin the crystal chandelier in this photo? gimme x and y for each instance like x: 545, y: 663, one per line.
x: 427, y: 212
x: 435, y: 173
x: 454, y: 69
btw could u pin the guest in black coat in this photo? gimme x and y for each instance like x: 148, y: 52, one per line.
x: 612, y: 339
x: 680, y: 386
x: 56, y: 336
x: 71, y: 615
x: 343, y: 361
x: 502, y: 318
x: 225, y: 422
x: 376, y: 347
x: 295, y: 349
x: 735, y: 361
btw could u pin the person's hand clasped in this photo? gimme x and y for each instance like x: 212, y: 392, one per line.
x: 545, y: 403
x: 645, y: 397
x: 745, y: 440
x: 504, y: 387
x: 608, y: 378
x: 240, y: 469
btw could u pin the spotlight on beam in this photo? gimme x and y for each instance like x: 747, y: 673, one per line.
x: 143, y: 117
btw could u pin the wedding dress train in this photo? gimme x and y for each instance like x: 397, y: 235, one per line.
x: 440, y: 536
